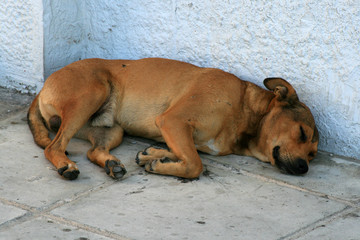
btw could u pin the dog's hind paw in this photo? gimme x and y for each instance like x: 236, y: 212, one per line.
x: 115, y: 169
x: 70, y: 171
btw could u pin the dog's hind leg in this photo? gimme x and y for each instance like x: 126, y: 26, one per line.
x: 103, y: 139
x: 183, y: 160
x: 55, y: 151
x: 74, y: 113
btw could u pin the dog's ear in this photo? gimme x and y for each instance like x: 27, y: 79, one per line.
x: 282, y: 89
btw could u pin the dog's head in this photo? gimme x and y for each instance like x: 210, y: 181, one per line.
x: 288, y: 135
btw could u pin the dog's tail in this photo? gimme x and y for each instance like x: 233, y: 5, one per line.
x: 37, y: 125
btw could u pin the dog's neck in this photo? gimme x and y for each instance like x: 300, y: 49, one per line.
x: 258, y: 103
x: 258, y: 99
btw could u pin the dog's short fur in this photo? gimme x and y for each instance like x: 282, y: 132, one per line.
x: 187, y: 107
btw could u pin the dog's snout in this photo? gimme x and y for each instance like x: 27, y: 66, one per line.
x: 296, y: 166
x: 276, y: 153
x: 302, y: 166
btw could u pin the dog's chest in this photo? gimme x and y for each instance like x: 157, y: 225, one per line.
x: 213, y: 147
x: 208, y: 147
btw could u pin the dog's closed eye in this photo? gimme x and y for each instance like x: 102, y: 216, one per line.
x: 303, y: 136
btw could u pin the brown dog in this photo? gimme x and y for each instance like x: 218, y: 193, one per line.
x: 187, y: 107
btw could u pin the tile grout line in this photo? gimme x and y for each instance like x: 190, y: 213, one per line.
x: 20, y: 219
x: 82, y: 226
x: 46, y: 213
x: 33, y: 212
x: 75, y: 197
x: 350, y: 206
x: 288, y: 185
x: 263, y: 178
x: 319, y: 223
x: 17, y: 205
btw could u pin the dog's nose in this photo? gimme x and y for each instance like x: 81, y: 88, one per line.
x: 302, y: 166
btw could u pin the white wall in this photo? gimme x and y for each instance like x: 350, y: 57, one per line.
x: 314, y: 44
x: 21, y: 45
x: 64, y: 34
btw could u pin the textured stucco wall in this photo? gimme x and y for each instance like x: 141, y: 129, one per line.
x: 313, y: 44
x: 64, y: 35
x: 21, y: 45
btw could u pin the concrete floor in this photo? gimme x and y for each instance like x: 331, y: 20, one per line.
x: 236, y: 197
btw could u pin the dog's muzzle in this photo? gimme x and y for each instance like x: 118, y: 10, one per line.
x: 297, y: 166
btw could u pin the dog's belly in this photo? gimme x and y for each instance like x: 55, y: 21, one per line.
x: 145, y: 129
x: 139, y: 120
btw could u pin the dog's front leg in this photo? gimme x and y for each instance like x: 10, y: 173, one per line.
x: 183, y: 160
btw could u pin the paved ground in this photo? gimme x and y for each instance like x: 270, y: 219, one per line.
x: 236, y: 198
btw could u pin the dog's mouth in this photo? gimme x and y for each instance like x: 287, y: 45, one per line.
x: 295, y: 167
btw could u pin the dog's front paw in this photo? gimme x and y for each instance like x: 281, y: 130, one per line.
x: 70, y: 171
x: 150, y: 154
x: 140, y: 160
x: 150, y: 166
x: 115, y: 169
